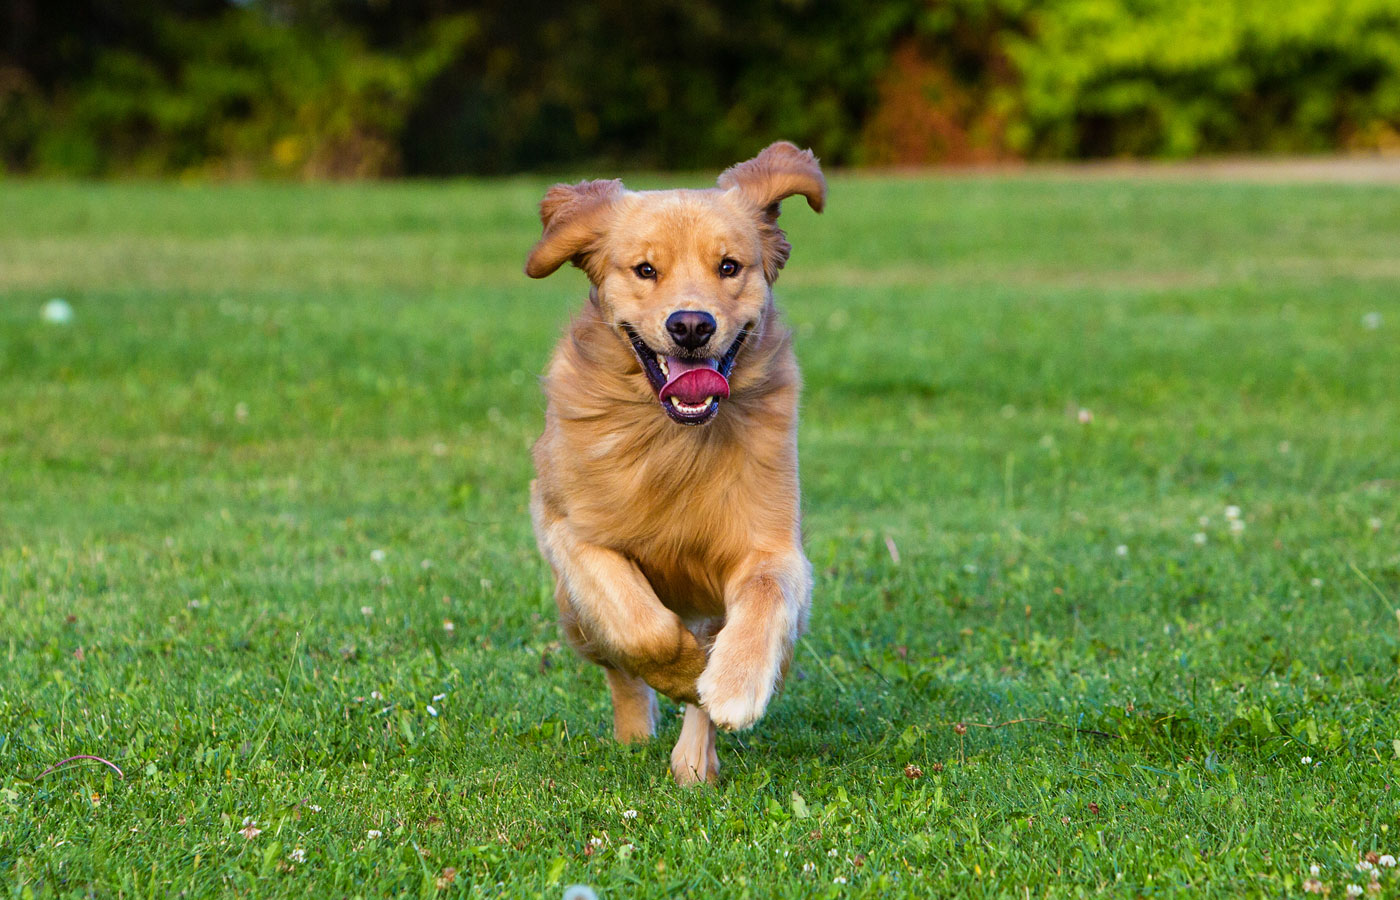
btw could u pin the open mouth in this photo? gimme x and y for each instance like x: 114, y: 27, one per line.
x: 688, y: 389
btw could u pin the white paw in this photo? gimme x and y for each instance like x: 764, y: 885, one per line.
x: 734, y: 703
x: 695, y: 759
x: 694, y: 765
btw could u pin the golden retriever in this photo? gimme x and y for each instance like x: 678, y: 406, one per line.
x: 667, y: 495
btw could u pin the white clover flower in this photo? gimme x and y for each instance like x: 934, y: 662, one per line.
x: 1316, y: 582
x: 366, y: 610
x: 378, y: 555
x: 1237, y: 526
x: 447, y: 626
x: 1365, y: 866
x: 832, y: 852
x: 1199, y: 538
x: 1388, y: 861
x: 432, y: 710
x: 630, y: 814
x: 809, y: 867
x: 1375, y: 523
x: 1121, y: 550
x: 1307, y: 761
x: 375, y: 695
x: 314, y: 808
x: 1314, y: 869
x: 1204, y: 521
x: 1355, y: 890
x: 839, y: 879
x: 374, y: 834
x: 595, y: 841
x: 297, y: 855
x: 1085, y: 416
x: 426, y: 564
x: 1232, y: 512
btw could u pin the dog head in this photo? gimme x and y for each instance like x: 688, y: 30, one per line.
x: 684, y: 276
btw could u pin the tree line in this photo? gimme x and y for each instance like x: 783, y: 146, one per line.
x: 370, y: 88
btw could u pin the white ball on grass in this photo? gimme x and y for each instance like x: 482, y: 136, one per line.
x: 57, y: 312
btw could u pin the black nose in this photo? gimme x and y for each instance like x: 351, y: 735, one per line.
x: 691, y: 328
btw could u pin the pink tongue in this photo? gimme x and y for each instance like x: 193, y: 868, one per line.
x: 692, y: 380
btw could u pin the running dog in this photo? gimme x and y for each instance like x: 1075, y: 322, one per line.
x: 666, y: 500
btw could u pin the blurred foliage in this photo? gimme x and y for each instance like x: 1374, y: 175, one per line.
x: 1180, y: 77
x: 346, y: 88
x: 234, y: 93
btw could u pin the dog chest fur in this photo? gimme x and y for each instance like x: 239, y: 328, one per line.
x: 688, y: 505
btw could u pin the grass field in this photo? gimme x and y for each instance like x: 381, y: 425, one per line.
x: 264, y: 546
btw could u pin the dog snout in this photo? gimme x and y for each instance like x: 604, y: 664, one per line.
x: 690, y: 328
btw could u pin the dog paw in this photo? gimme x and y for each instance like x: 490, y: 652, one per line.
x: 734, y: 704
x: 695, y: 759
x: 692, y: 766
x: 633, y: 733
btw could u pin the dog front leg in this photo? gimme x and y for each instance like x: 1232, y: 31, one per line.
x: 765, y: 611
x: 619, y: 615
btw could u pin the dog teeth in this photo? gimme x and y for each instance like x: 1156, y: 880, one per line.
x: 687, y: 408
x: 665, y: 370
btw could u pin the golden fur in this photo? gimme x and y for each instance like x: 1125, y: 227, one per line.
x: 676, y: 549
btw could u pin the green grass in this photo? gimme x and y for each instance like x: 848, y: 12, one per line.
x: 284, y: 441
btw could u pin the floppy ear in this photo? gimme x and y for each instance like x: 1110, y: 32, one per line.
x: 574, y: 217
x: 764, y: 182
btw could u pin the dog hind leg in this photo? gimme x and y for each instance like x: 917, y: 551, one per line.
x: 635, y: 710
x: 695, y: 759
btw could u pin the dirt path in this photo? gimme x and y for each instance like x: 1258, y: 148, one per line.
x: 1319, y: 169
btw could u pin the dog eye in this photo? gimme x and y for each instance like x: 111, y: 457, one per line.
x: 645, y: 270
x: 728, y: 268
